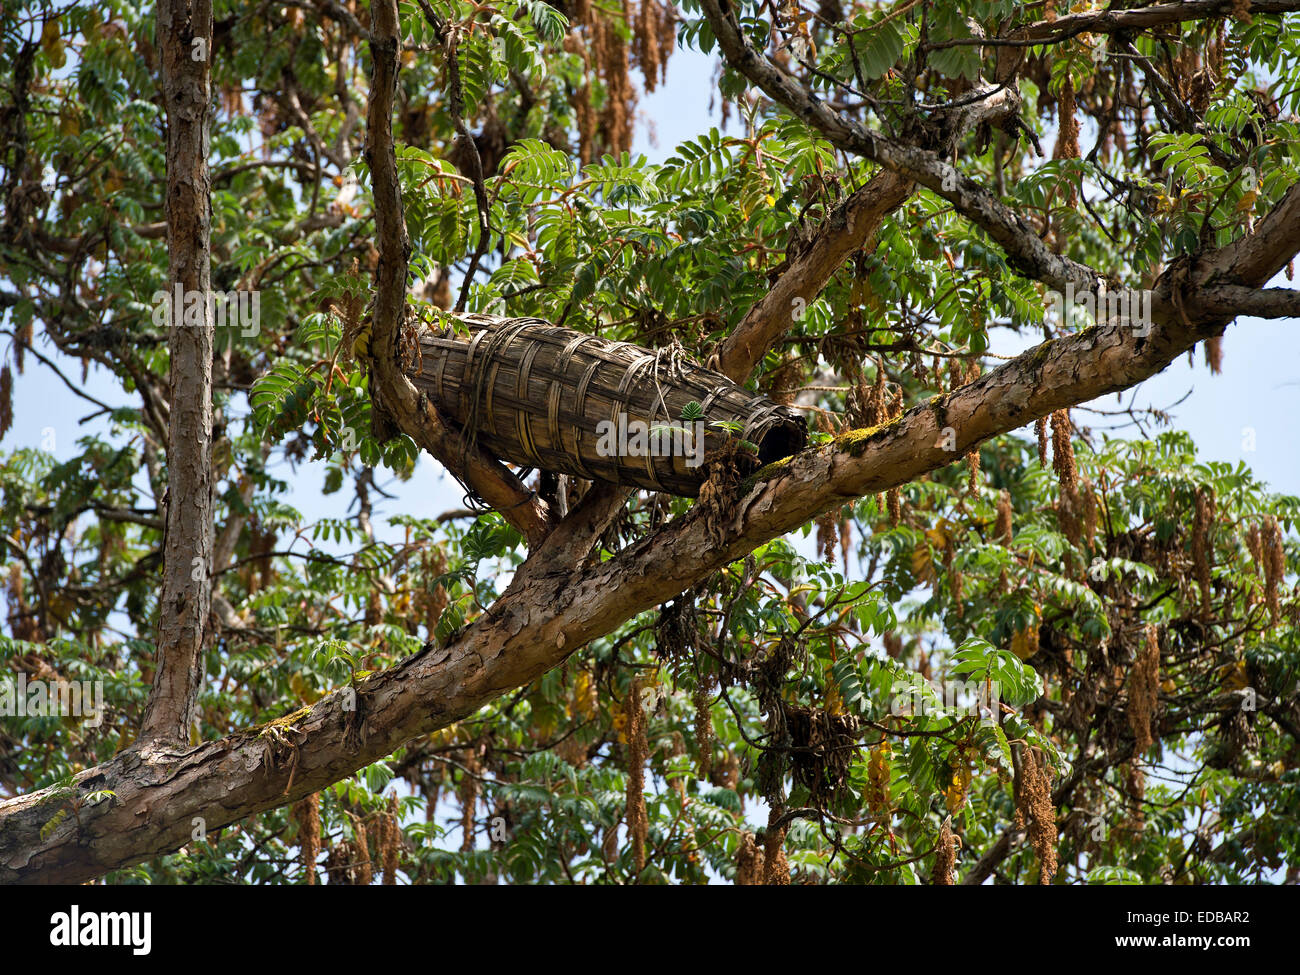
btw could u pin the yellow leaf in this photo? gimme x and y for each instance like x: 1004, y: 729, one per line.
x: 834, y: 700
x: 922, y: 567
x: 584, y: 694
x: 955, y: 794
x: 1234, y: 676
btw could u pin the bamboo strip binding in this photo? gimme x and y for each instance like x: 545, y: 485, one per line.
x: 534, y: 394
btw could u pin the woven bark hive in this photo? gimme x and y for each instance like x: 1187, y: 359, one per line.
x: 535, y: 395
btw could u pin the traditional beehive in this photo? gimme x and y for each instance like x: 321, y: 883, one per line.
x: 541, y: 396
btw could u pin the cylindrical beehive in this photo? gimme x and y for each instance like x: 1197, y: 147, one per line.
x: 541, y: 396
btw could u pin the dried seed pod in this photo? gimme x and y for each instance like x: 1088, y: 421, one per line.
x: 307, y: 814
x: 945, y: 856
x: 749, y: 862
x: 1002, y: 530
x: 1144, y: 690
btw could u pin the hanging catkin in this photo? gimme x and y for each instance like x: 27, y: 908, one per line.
x: 1274, y: 567
x: 776, y: 870
x: 749, y: 862
x: 1089, y: 498
x: 307, y: 814
x: 704, y: 724
x: 1201, y: 543
x: 637, y: 826
x: 1002, y: 529
x: 945, y: 855
x: 1214, y: 354
x: 1034, y: 808
x: 1063, y: 453
x: 1143, y: 688
x: 1255, y: 544
x: 361, y: 868
x: 1067, y: 142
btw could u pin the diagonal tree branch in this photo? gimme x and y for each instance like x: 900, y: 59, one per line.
x: 846, y: 230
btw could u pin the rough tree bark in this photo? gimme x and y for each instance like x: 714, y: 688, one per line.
x: 558, y: 600
x: 184, y: 30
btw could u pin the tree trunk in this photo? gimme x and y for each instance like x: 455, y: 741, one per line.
x: 185, y: 40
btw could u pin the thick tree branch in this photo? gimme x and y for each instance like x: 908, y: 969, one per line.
x: 1231, y: 301
x: 1117, y: 22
